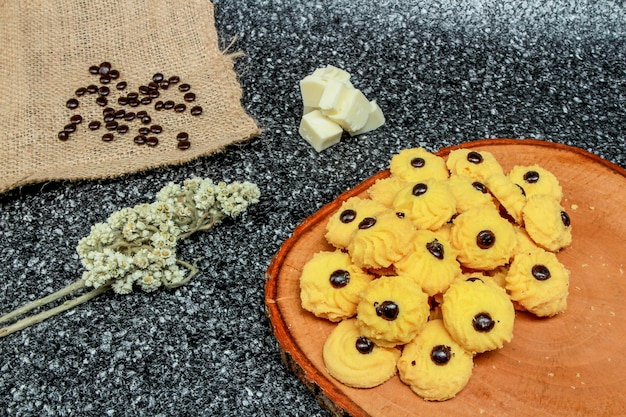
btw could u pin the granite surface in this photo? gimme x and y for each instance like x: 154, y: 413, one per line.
x: 443, y: 71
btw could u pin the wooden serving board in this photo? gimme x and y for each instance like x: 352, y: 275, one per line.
x: 573, y: 364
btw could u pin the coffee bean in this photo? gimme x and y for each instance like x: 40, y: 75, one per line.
x: 114, y: 74
x: 139, y: 139
x: 182, y: 136
x: 180, y: 107
x: 169, y: 104
x: 109, y: 117
x: 122, y: 101
x: 120, y: 114
x: 72, y: 103
x: 102, y: 101
x: 71, y: 128
x: 92, y: 89
x: 104, y: 91
x: 108, y: 110
x: 121, y: 85
x: 164, y: 85
x: 189, y: 97
x: 133, y: 102
x: 156, y: 129
x: 144, y: 130
x: 94, y: 69
x: 196, y: 111
x: 76, y: 119
x: 105, y: 79
x: 183, y: 145
x: 158, y: 77
x: 145, y: 100
x: 132, y: 96
x: 81, y: 91
x: 108, y: 137
x: 144, y: 89
x: 153, y: 86
x: 184, y: 87
x: 63, y: 135
x: 146, y: 120
x: 94, y: 125
x: 153, y: 93
x: 129, y: 116
x: 122, y: 129
x: 112, y: 125
x: 152, y: 141
x: 158, y: 106
x: 104, y: 68
x: 174, y: 79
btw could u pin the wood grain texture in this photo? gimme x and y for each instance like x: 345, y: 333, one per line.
x: 568, y: 365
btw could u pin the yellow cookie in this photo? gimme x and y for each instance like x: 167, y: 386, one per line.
x: 431, y: 262
x: 483, y: 238
x: 354, y: 360
x: 428, y: 204
x: 434, y: 365
x: 345, y: 222
x: 417, y: 164
x: 392, y: 311
x: 510, y: 195
x: 524, y: 242
x: 474, y: 164
x: 547, y: 223
x: 538, y: 282
x: 384, y: 190
x: 380, y: 240
x: 536, y: 180
x: 330, y: 285
x: 469, y: 192
x: 478, y: 314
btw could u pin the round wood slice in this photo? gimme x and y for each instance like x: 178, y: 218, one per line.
x: 569, y: 365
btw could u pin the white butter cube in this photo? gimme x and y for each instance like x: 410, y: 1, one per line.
x: 312, y: 87
x: 350, y: 111
x: 331, y: 94
x: 375, y: 119
x: 332, y: 72
x: 319, y: 131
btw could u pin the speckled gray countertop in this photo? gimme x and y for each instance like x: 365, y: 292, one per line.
x: 443, y: 71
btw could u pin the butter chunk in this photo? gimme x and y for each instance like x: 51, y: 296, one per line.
x: 351, y: 110
x: 375, y: 119
x: 332, y: 72
x: 331, y: 94
x: 319, y: 131
x: 312, y: 87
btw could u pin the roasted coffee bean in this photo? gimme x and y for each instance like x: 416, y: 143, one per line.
x: 133, y: 103
x: 441, y: 354
x: 180, y: 107
x: 483, y: 322
x: 108, y: 117
x: 182, y: 136
x: 435, y: 248
x: 120, y: 114
x: 76, y: 119
x: 184, y: 87
x: 144, y: 89
x: 91, y: 88
x: 479, y: 186
x: 140, y: 139
x: 108, y: 110
x: 184, y: 145
x: 94, y: 69
x: 565, y: 219
x: 102, y: 101
x: 474, y: 157
x: 366, y: 223
x: 388, y: 310
x: 153, y: 86
x: 154, y: 94
x: 174, y: 79
x: 418, y: 162
x: 108, y: 137
x: 419, y: 189
x: 540, y: 272
x: 347, y: 216
x: 122, y: 129
x: 122, y: 101
x: 143, y: 130
x: 146, y: 120
x: 114, y: 74
x: 104, y: 91
x: 169, y: 104
x: 152, y: 141
x: 129, y: 116
x: 158, y: 77
x: 94, y: 125
x: 339, y: 278
x: 63, y: 135
x: 156, y: 129
x: 189, y: 97
x: 531, y: 177
x: 81, y: 91
x: 472, y: 279
x: 132, y: 96
x: 364, y: 345
x: 112, y: 125
x: 105, y: 79
x: 145, y: 100
x: 142, y: 113
x: 121, y: 85
x: 164, y: 85
x: 158, y: 106
x: 104, y: 68
x: 72, y: 103
x: 70, y: 128
x: 400, y: 215
x: 485, y: 239
x: 196, y: 111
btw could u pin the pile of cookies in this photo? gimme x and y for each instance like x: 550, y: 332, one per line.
x: 428, y: 270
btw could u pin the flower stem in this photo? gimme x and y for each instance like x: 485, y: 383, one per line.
x: 38, y: 318
x: 75, y: 286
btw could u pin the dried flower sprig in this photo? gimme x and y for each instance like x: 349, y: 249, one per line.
x: 136, y: 247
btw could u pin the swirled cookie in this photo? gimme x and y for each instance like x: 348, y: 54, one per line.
x: 380, y: 240
x: 523, y: 243
x: 483, y: 238
x: 434, y: 365
x: 428, y: 204
x: 510, y: 195
x: 536, y: 180
x: 384, y: 190
x: 469, y: 192
x: 330, y: 285
x: 431, y: 262
x: 538, y: 282
x: 478, y: 314
x: 392, y: 311
x: 417, y: 164
x: 356, y: 361
x: 345, y: 222
x: 547, y: 223
x: 474, y: 164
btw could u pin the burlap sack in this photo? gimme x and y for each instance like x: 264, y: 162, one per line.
x: 46, y: 49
